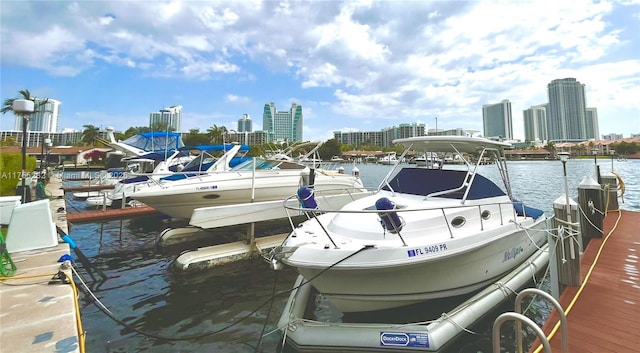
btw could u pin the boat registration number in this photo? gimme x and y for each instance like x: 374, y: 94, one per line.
x: 426, y: 250
x: 207, y: 187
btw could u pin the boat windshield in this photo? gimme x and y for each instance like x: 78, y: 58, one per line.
x: 155, y: 141
x: 267, y: 164
x: 446, y: 183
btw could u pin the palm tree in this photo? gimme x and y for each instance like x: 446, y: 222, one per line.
x: 89, y: 133
x: 216, y: 133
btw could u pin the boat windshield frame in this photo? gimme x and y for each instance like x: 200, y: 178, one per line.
x: 492, y: 150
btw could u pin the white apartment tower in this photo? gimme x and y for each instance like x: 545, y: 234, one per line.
x: 171, y: 117
x: 245, y: 124
x: 496, y: 120
x: 44, y: 118
x: 535, y: 123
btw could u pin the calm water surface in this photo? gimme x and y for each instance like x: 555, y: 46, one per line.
x: 186, y: 310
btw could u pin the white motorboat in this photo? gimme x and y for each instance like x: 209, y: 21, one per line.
x: 389, y: 159
x: 429, y: 160
x: 256, y: 180
x: 425, y: 234
x: 210, y: 158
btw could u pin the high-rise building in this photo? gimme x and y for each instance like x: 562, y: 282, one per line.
x: 44, y: 118
x: 245, y: 124
x: 496, y: 120
x: 535, y: 123
x: 591, y: 123
x: 171, y: 117
x: 566, y: 119
x: 285, y: 125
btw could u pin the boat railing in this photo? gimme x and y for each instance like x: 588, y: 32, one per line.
x: 513, y: 209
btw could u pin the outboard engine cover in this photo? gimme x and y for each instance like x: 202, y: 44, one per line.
x: 305, y: 196
x: 390, y: 220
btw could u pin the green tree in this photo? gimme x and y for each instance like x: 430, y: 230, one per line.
x: 216, y: 133
x: 329, y: 149
x: 89, y: 134
x: 195, y: 138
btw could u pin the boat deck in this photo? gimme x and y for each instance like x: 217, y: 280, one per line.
x: 606, y: 314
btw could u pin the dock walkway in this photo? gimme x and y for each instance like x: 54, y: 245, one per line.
x: 604, y: 313
x: 39, y: 313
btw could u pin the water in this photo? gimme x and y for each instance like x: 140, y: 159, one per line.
x: 142, y: 292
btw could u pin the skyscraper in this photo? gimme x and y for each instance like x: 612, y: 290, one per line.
x: 171, y: 116
x: 245, y: 124
x: 44, y: 118
x: 566, y: 115
x: 496, y: 120
x: 591, y: 123
x: 535, y: 123
x: 284, y: 125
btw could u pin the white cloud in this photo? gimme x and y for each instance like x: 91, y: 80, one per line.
x: 376, y: 62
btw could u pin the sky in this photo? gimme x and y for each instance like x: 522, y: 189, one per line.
x: 353, y: 65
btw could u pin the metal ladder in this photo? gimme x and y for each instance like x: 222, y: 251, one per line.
x: 520, y: 318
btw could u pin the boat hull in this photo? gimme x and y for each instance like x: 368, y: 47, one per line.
x: 354, y: 285
x: 180, y: 200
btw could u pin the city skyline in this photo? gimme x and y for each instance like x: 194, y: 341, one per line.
x: 352, y: 66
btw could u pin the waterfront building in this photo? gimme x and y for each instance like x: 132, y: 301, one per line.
x: 451, y: 132
x: 245, y: 124
x: 535, y: 123
x: 591, y: 123
x: 382, y: 138
x: 566, y: 117
x: 171, y: 116
x: 497, y: 121
x: 44, y: 118
x: 259, y: 137
x: 36, y: 138
x: 612, y: 137
x: 285, y: 125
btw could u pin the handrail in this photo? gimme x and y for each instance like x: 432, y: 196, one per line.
x: 299, y: 208
x: 558, y: 307
x: 519, y: 318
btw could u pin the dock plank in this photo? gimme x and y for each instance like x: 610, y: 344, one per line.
x: 89, y: 216
x: 606, y: 315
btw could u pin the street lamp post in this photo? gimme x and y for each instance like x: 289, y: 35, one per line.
x: 23, y: 108
x: 47, y: 146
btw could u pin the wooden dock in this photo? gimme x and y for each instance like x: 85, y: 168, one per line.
x: 604, y: 313
x: 89, y: 216
x: 40, y: 313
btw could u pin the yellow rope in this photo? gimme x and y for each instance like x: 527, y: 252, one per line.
x: 620, y: 185
x: 584, y: 283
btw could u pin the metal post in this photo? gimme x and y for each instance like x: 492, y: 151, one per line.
x: 25, y: 120
x: 23, y: 108
x: 595, y: 160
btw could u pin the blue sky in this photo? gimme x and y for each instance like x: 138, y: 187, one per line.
x: 353, y: 66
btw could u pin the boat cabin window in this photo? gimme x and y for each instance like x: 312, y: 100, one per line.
x: 421, y: 181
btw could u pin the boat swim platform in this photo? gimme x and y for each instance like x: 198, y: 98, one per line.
x: 115, y: 213
x: 216, y: 255
x: 37, y: 313
x: 306, y: 335
x: 605, y: 316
